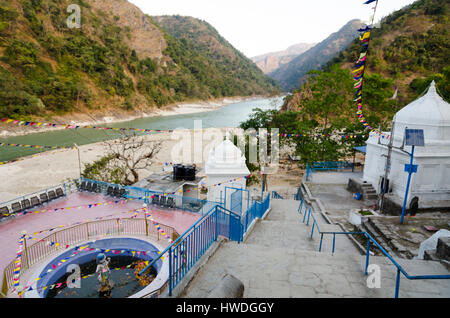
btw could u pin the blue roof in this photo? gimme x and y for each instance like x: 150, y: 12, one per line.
x: 362, y: 149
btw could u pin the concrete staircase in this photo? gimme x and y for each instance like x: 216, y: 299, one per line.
x: 370, y: 228
x: 391, y: 246
x: 369, y: 192
x: 278, y: 259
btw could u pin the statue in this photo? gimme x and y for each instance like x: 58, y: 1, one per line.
x: 103, y: 273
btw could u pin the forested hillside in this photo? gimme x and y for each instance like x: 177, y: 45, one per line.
x: 234, y: 72
x: 119, y: 60
x: 409, y: 50
x: 291, y: 74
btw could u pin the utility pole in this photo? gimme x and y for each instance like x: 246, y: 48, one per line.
x: 411, y: 169
x: 264, y: 184
x: 79, y: 159
x: 387, y: 168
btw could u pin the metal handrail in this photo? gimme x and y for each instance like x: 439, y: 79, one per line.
x: 148, y: 194
x: 177, y: 267
x: 309, y: 213
x: 331, y: 165
x: 400, y: 269
x: 142, y: 272
x: 275, y: 195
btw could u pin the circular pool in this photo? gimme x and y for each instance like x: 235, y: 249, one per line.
x: 74, y: 273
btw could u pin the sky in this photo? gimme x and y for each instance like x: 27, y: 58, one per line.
x: 257, y: 27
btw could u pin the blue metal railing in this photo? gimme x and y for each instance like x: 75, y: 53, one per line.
x: 328, y: 165
x: 370, y: 239
x: 309, y: 172
x: 298, y: 196
x: 256, y: 211
x: 275, y: 195
x: 332, y: 165
x: 192, y: 244
x: 310, y: 215
x: 181, y: 202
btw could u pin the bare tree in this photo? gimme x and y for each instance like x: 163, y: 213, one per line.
x: 124, y: 159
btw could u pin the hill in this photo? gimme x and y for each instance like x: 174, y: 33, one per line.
x: 290, y: 74
x: 240, y: 73
x: 120, y: 60
x: 408, y: 50
x: 271, y: 61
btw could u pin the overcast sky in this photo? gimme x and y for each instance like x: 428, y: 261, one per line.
x: 260, y: 26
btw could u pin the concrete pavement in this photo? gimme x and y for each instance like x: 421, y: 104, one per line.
x: 279, y: 260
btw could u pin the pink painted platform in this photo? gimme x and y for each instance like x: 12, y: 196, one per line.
x: 10, y: 230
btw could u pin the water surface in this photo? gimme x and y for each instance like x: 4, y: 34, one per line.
x: 228, y: 116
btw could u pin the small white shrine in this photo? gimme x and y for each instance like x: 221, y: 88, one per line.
x: 225, y: 169
x: 431, y: 184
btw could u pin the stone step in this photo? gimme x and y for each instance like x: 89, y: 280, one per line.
x: 279, y: 259
x: 286, y: 272
x: 399, y: 249
x: 369, y: 228
x: 412, y: 266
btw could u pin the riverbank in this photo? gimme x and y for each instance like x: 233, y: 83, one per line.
x: 43, y: 171
x: 118, y: 116
x: 35, y: 173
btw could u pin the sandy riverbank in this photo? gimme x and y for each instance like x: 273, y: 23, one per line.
x: 33, y: 174
x: 117, y: 116
x: 54, y: 167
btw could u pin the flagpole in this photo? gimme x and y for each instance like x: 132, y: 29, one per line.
x: 374, y: 13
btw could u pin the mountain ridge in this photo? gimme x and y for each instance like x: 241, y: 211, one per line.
x: 204, y: 38
x: 269, y: 62
x: 119, y: 60
x: 289, y: 75
x: 408, y: 50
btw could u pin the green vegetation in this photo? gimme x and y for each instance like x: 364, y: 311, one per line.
x: 410, y: 48
x: 101, y: 170
x: 47, y: 68
x: 290, y: 75
x: 309, y: 147
x: 213, y: 61
x: 407, y: 52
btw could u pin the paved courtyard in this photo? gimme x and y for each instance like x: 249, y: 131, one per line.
x: 331, y: 189
x: 279, y: 260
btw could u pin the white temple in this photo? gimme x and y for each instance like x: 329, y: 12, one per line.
x: 225, y: 169
x: 431, y: 183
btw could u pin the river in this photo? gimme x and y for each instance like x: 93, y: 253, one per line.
x: 230, y: 115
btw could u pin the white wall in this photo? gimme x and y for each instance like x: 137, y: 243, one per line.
x: 430, y: 183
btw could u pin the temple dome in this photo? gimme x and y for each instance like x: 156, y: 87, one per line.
x: 429, y: 112
x: 226, y: 159
x: 227, y: 151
